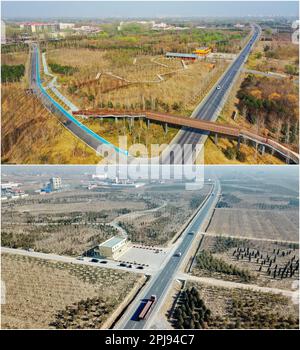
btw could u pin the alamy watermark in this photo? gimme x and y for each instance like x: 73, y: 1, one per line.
x: 175, y: 161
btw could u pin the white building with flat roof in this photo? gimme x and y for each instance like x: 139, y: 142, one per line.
x: 112, y: 248
x: 63, y: 26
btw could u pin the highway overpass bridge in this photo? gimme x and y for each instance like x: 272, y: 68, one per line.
x: 204, y: 126
x: 163, y: 118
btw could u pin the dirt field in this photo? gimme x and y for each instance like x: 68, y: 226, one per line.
x: 158, y: 228
x: 59, y: 295
x: 251, y: 206
x: 14, y: 58
x: 73, y: 221
x: 273, y: 224
x: 65, y: 223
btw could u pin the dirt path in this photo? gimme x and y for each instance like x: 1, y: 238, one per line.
x: 250, y: 238
x: 133, y: 215
x: 228, y: 284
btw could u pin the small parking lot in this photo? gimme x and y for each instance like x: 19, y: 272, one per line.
x: 151, y: 257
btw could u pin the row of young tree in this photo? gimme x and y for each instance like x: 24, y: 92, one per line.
x: 191, y: 311
x: 269, y: 263
x: 145, y: 104
x: 206, y: 261
x: 65, y: 70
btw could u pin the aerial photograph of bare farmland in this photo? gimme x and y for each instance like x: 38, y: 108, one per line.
x: 77, y: 77
x: 80, y: 249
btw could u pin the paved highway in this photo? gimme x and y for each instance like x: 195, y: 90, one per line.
x: 162, y: 281
x: 210, y: 108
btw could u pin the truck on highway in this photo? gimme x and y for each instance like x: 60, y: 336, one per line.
x: 147, y: 307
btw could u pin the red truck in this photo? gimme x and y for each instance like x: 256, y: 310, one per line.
x: 147, y: 307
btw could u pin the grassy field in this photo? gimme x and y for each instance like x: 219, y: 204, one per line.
x: 151, y: 82
x: 139, y: 133
x: 59, y: 295
x: 31, y: 135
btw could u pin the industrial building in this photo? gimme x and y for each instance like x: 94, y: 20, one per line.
x: 183, y: 56
x: 55, y: 183
x: 198, y: 53
x: 111, y: 248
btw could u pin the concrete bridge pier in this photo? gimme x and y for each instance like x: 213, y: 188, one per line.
x: 166, y: 128
x: 148, y: 123
x: 116, y: 120
x: 262, y: 149
x: 132, y: 122
x: 216, y: 139
x: 238, y: 143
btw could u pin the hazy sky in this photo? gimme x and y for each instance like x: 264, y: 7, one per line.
x: 101, y: 9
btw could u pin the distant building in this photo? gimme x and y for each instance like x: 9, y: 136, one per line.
x: 55, y: 183
x: 160, y: 25
x: 9, y: 185
x: 238, y: 25
x: 39, y: 27
x: 112, y: 248
x: 63, y: 26
x: 88, y: 30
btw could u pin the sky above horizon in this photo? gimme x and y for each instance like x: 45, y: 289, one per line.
x: 149, y: 9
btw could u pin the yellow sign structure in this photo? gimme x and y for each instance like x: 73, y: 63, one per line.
x: 202, y: 51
